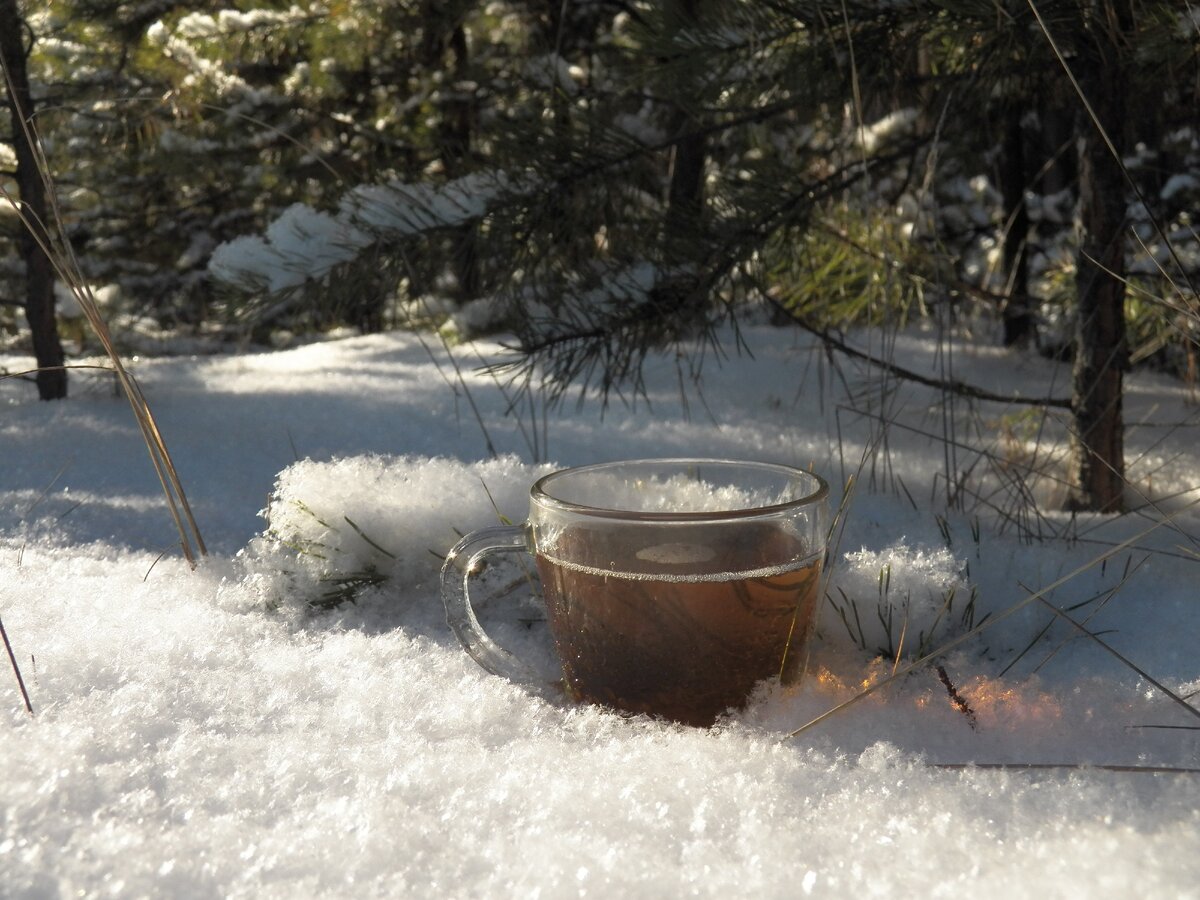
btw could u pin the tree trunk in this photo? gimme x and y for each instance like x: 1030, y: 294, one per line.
x: 39, y: 274
x: 685, y: 194
x: 455, y: 132
x: 1057, y: 168
x: 444, y: 47
x: 1101, y: 350
x: 683, y: 219
x: 1019, y: 324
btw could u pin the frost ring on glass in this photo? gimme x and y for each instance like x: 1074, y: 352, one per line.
x: 672, y: 587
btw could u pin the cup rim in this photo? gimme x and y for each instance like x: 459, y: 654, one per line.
x: 540, y: 495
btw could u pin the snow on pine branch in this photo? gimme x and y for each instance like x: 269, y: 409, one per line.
x: 397, y: 210
x: 303, y: 245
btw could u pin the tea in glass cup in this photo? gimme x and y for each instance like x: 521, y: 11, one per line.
x: 672, y: 587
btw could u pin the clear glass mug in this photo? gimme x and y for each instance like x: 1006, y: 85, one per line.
x: 672, y: 586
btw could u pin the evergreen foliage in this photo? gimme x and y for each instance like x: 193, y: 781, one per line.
x: 600, y: 178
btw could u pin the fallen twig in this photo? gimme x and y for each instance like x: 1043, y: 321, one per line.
x: 956, y: 698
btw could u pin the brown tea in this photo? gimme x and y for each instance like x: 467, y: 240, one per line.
x: 684, y: 629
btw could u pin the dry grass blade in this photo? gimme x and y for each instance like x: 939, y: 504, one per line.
x: 1104, y: 598
x: 1162, y: 727
x: 1119, y: 656
x: 460, y: 380
x: 1082, y: 767
x: 45, y: 492
x: 16, y: 669
x: 25, y: 373
x: 1142, y: 495
x: 995, y: 461
x: 987, y: 623
x: 66, y: 265
x: 833, y: 540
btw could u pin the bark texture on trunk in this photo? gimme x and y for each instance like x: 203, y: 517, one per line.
x: 39, y: 274
x: 683, y: 220
x: 685, y: 193
x: 457, y: 130
x: 685, y: 196
x: 1101, y: 348
x: 1019, y: 324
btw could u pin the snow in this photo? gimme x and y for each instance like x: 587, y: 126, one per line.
x: 200, y: 26
x: 303, y: 244
x: 300, y: 245
x: 887, y: 128
x: 1178, y: 184
x: 204, y: 733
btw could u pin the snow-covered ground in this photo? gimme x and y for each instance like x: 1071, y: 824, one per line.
x: 198, y: 733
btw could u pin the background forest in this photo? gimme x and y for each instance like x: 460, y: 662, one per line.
x: 600, y: 178
x: 380, y: 265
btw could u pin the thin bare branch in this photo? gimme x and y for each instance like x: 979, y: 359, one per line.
x: 951, y: 385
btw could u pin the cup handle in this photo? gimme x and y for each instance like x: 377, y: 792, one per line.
x: 461, y: 562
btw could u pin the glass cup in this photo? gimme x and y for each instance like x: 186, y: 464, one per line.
x: 672, y: 586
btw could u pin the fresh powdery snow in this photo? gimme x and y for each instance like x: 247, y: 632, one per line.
x: 201, y: 733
